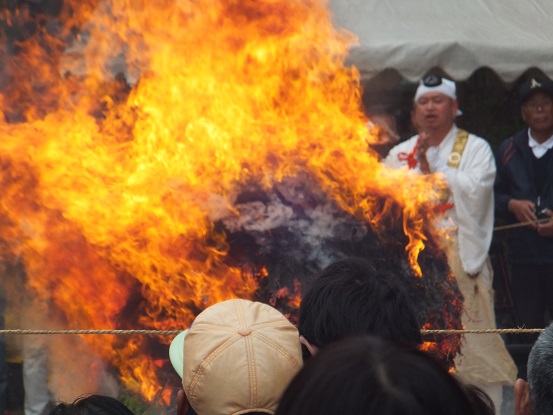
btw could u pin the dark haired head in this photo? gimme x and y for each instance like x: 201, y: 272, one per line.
x: 369, y: 375
x: 353, y: 297
x: 92, y: 405
x: 479, y: 400
x: 190, y: 411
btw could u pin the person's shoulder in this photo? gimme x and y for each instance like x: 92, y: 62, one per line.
x: 505, y: 144
x: 476, y: 139
x: 478, y: 143
x: 518, y: 138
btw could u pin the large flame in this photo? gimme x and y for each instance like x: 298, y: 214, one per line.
x: 112, y: 182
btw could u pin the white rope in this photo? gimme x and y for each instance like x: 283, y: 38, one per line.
x: 175, y: 332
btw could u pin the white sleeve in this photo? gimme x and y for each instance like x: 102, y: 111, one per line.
x: 472, y: 188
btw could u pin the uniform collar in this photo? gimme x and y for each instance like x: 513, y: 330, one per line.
x: 539, y: 149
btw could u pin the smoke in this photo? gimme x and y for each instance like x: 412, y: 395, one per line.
x: 294, y: 230
x: 138, y: 204
x: 298, y: 226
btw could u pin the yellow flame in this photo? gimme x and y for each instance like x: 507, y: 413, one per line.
x: 105, y: 188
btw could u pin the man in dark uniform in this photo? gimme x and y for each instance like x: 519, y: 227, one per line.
x: 524, y: 194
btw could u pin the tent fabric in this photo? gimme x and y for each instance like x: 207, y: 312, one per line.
x: 413, y: 36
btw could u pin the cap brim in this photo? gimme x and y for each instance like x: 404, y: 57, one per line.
x: 176, y: 352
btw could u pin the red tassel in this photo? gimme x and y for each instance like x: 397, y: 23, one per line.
x: 443, y: 207
x: 410, y: 158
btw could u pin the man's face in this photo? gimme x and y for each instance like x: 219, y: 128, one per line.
x: 537, y: 111
x: 435, y: 111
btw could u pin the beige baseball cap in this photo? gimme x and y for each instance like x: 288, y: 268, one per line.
x: 237, y: 357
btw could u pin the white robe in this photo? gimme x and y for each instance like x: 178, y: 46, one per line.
x: 484, y: 360
x: 471, y: 186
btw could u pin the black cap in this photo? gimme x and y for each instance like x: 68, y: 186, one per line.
x: 534, y: 85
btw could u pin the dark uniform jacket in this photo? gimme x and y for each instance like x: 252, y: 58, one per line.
x: 515, y: 180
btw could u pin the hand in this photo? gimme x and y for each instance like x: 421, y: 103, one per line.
x: 546, y: 229
x: 523, y: 211
x: 421, y: 152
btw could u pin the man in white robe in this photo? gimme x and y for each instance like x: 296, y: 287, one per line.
x: 467, y: 165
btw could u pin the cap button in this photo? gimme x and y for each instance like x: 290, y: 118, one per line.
x: 244, y: 331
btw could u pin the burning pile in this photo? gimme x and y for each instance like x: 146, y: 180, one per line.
x: 158, y: 157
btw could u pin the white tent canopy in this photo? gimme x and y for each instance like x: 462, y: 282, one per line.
x: 413, y: 36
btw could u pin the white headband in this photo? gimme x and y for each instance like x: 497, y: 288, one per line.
x: 446, y: 87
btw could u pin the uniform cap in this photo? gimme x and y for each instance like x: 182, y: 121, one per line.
x: 534, y: 85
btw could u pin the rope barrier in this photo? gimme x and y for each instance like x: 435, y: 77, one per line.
x: 521, y: 224
x: 175, y: 332
x: 483, y: 331
x: 101, y: 332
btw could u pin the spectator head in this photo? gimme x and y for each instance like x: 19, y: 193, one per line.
x: 236, y: 358
x: 536, y: 100
x: 479, y: 400
x: 354, y: 297
x: 535, y: 397
x: 370, y: 375
x: 92, y: 405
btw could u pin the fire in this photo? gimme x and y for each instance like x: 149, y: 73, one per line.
x: 445, y: 347
x: 116, y: 182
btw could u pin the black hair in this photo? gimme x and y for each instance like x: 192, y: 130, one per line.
x: 354, y: 297
x: 479, y: 400
x: 92, y: 405
x: 370, y: 375
x: 190, y: 411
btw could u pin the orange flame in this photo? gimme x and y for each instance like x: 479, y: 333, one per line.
x: 108, y: 186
